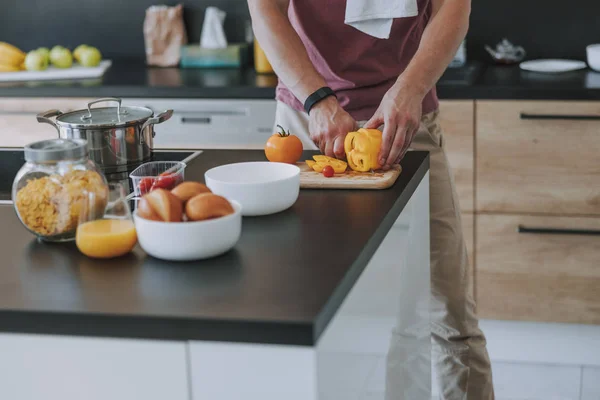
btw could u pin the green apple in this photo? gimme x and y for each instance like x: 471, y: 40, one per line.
x: 45, y: 52
x: 78, y: 50
x: 90, y: 57
x: 61, y: 57
x: 36, y: 61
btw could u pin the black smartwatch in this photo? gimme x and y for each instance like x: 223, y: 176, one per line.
x: 317, y: 96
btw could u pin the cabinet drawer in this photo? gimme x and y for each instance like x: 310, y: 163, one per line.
x: 456, y: 119
x: 213, y: 124
x: 20, y: 129
x: 18, y: 123
x: 538, y: 157
x: 540, y: 274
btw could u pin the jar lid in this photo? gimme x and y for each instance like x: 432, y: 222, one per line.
x: 55, y: 150
x: 105, y: 117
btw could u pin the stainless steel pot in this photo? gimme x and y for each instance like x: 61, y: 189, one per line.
x: 116, y: 136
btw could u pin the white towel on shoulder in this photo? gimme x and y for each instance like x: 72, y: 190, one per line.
x: 375, y: 17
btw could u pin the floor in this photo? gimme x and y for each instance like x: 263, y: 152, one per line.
x: 512, y: 380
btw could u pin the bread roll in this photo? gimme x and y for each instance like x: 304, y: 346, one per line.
x: 160, y: 205
x: 206, y: 206
x: 186, y: 190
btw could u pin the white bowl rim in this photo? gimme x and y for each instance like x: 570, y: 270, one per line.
x: 237, y: 207
x: 295, y: 167
x: 593, y: 46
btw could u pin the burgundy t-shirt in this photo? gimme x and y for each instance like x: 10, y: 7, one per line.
x: 358, y: 67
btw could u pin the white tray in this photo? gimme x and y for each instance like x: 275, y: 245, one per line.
x: 52, y: 73
x: 552, y: 66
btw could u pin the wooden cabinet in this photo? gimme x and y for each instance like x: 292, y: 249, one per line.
x: 536, y: 275
x: 18, y: 123
x: 537, y: 197
x: 538, y: 157
x: 457, y: 119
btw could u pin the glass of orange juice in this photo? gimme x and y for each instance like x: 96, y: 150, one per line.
x: 106, y: 228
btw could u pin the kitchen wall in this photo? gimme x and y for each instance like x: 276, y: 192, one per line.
x: 114, y: 26
x: 545, y: 28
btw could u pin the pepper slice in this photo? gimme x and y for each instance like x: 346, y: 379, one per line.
x: 362, y: 149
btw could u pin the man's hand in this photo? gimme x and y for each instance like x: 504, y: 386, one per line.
x: 400, y: 114
x: 328, y: 126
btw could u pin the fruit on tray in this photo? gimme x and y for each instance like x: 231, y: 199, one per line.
x: 207, y: 206
x: 61, y: 57
x: 319, y: 162
x: 36, y: 61
x: 45, y: 52
x: 11, y: 58
x: 362, y: 149
x: 78, y: 50
x: 89, y: 57
x: 283, y: 147
x: 160, y: 205
x: 186, y: 190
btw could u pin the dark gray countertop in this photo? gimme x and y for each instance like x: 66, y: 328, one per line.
x: 282, y: 283
x: 131, y: 78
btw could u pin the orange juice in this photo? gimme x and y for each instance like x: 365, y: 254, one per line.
x: 261, y: 64
x: 106, y: 238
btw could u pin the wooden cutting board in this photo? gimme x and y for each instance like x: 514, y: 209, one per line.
x: 310, y: 179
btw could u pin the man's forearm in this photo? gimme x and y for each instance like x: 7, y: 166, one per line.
x: 283, y: 47
x: 439, y: 43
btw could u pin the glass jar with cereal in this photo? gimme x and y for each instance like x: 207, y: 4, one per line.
x: 49, y: 189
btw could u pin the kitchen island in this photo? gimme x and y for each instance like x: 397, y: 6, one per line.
x: 277, y: 317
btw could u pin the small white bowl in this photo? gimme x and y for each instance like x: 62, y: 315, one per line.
x: 188, y: 241
x: 261, y: 187
x: 593, y: 56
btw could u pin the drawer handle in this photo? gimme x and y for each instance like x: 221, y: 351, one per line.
x: 561, y: 117
x: 558, y: 231
x: 195, y: 120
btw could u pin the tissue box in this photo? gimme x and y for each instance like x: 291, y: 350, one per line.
x: 233, y: 56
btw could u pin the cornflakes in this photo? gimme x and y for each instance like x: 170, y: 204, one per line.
x: 51, y: 205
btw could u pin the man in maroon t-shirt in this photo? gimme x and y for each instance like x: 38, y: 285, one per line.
x: 374, y: 63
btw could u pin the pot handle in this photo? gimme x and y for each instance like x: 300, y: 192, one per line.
x: 160, y: 118
x: 44, y: 117
x: 102, y: 100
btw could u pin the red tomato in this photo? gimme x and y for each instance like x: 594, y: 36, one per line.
x: 145, y: 185
x: 164, y: 181
x: 328, y: 171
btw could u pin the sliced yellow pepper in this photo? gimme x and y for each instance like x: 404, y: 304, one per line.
x: 362, y: 149
x: 321, y: 161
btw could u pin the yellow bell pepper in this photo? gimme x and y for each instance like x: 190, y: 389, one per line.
x: 321, y: 161
x: 362, y: 149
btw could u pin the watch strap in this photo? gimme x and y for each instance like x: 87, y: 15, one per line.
x: 317, y: 96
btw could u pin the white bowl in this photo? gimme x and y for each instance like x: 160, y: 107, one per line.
x: 261, y: 188
x: 593, y: 56
x: 187, y: 241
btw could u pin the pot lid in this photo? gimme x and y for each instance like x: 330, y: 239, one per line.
x: 55, y: 150
x: 105, y: 117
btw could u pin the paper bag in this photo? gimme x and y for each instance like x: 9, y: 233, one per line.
x: 164, y: 34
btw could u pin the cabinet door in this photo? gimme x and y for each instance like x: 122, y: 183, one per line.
x: 71, y: 368
x: 538, y: 157
x: 456, y: 119
x: 18, y: 123
x: 213, y: 124
x: 538, y: 274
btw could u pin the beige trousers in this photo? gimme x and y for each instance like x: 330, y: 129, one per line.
x: 458, y: 345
